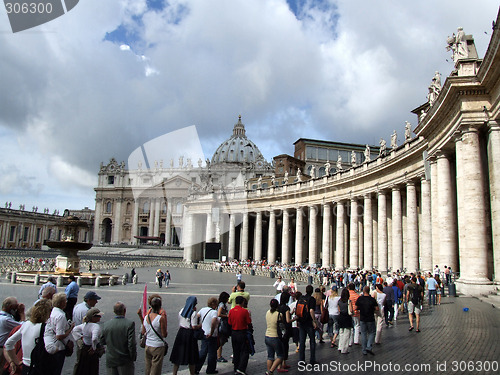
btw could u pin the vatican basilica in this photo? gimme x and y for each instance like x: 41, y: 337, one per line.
x: 432, y: 198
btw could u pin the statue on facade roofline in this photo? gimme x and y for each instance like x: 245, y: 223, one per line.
x: 327, y: 168
x: 273, y: 179
x: 394, y: 139
x: 383, y: 147
x: 458, y: 44
x: 367, y: 154
x: 407, y: 131
x: 285, y: 179
x: 299, y: 173
x: 339, y: 163
x: 313, y: 171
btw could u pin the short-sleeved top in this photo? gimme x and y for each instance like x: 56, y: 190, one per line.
x: 188, y: 323
x: 7, y: 323
x: 272, y: 323
x: 239, y: 318
x: 380, y: 297
x: 27, y: 334
x: 79, y: 312
x: 311, y: 305
x: 415, y: 292
x: 232, y: 297
x: 432, y: 283
x: 72, y: 290
x: 57, y: 325
x: 92, y: 334
x: 366, y: 306
x: 207, y: 314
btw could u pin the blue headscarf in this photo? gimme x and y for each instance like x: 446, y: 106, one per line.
x: 188, y: 309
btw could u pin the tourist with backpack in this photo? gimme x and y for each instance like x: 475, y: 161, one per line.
x: 414, y: 296
x: 304, y: 310
x: 31, y: 336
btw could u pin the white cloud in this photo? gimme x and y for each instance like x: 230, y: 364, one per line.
x: 343, y: 70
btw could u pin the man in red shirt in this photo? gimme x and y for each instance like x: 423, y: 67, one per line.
x: 239, y: 319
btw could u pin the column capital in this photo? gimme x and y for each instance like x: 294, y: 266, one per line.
x: 442, y: 154
x: 493, y: 126
x: 410, y: 183
x: 381, y: 192
x: 367, y: 196
x: 395, y: 188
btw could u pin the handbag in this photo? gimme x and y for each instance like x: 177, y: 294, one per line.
x: 142, y: 340
x: 157, y: 334
x: 324, y: 313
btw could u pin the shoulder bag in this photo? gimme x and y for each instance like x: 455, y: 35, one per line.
x: 157, y: 334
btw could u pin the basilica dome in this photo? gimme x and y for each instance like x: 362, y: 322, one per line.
x: 239, y: 149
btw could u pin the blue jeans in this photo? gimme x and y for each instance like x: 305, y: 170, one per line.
x: 367, y: 335
x: 432, y: 296
x: 274, y: 346
x: 306, y: 330
x: 208, y: 347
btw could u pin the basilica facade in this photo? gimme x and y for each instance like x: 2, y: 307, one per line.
x: 433, y: 199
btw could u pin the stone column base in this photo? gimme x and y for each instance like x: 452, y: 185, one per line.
x: 475, y: 287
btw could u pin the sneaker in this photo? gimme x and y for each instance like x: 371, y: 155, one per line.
x: 222, y: 359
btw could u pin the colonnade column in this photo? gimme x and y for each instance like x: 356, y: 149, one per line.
x: 326, y: 236
x: 285, y: 238
x: 434, y: 212
x: 412, y: 227
x: 354, y: 235
x: 493, y: 148
x: 117, y: 221
x: 397, y: 230
x: 313, y: 237
x: 97, y: 223
x: 426, y: 227
x: 135, y: 226
x: 339, y: 241
x: 209, y: 235
x: 368, y: 232
x: 299, y: 233
x: 244, y: 237
x: 232, y: 237
x: 382, y: 232
x: 474, y: 253
x: 156, y: 224
x: 168, y: 224
x: 187, y: 237
x: 258, y: 237
x: 446, y: 214
x: 271, y: 256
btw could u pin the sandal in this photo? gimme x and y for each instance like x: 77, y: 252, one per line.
x: 411, y: 328
x: 333, y: 345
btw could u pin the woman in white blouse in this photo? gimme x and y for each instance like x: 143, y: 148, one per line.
x: 28, y: 333
x: 155, y: 328
x: 91, y: 334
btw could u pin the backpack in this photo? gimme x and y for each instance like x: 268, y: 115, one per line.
x: 40, y: 359
x: 416, y: 295
x: 301, y: 309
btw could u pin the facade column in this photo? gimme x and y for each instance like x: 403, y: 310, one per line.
x: 434, y: 212
x: 382, y: 231
x: 493, y: 148
x: 368, y: 232
x: 258, y: 237
x: 447, y: 215
x: 168, y: 224
x: 271, y: 256
x: 354, y: 236
x: 187, y: 237
x: 285, y: 238
x: 425, y: 227
x: 244, y: 237
x: 209, y: 234
x: 397, y: 230
x: 339, y: 241
x: 325, y: 256
x: 97, y: 223
x: 411, y: 227
x: 313, y: 237
x: 117, y: 221
x: 232, y: 238
x: 135, y: 225
x: 151, y: 217
x: 299, y: 233
x: 474, y: 252
x: 156, y: 225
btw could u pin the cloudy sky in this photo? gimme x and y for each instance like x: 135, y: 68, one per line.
x: 110, y: 75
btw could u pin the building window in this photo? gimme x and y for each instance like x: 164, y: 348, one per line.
x: 179, y: 208
x: 164, y: 209
x: 193, y: 179
x: 321, y: 171
x: 49, y: 233
x: 128, y: 208
x: 111, y: 180
x: 108, y: 207
x: 25, y: 235
x: 12, y: 233
x: 38, y: 233
x: 145, y: 207
x: 322, y: 153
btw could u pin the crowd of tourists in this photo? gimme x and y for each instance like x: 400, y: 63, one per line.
x: 350, y: 312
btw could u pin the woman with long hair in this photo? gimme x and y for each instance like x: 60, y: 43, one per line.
x: 286, y: 317
x: 273, y: 343
x: 224, y: 330
x: 155, y: 328
x: 379, y: 295
x: 332, y: 304
x: 185, y: 349
x: 438, y: 288
x: 28, y: 333
x: 345, y: 321
x: 318, y: 296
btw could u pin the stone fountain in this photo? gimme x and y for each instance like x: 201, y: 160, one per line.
x: 68, y: 262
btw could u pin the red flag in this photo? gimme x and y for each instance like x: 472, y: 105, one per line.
x: 145, y: 301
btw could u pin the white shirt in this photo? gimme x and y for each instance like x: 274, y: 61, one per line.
x: 56, y: 325
x: 92, y: 334
x: 333, y: 305
x: 184, y: 322
x: 152, y: 339
x: 27, y: 334
x: 209, y: 315
x: 279, y: 285
x: 79, y: 312
x: 292, y: 306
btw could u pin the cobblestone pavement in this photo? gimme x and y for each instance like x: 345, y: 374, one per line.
x: 452, y: 341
